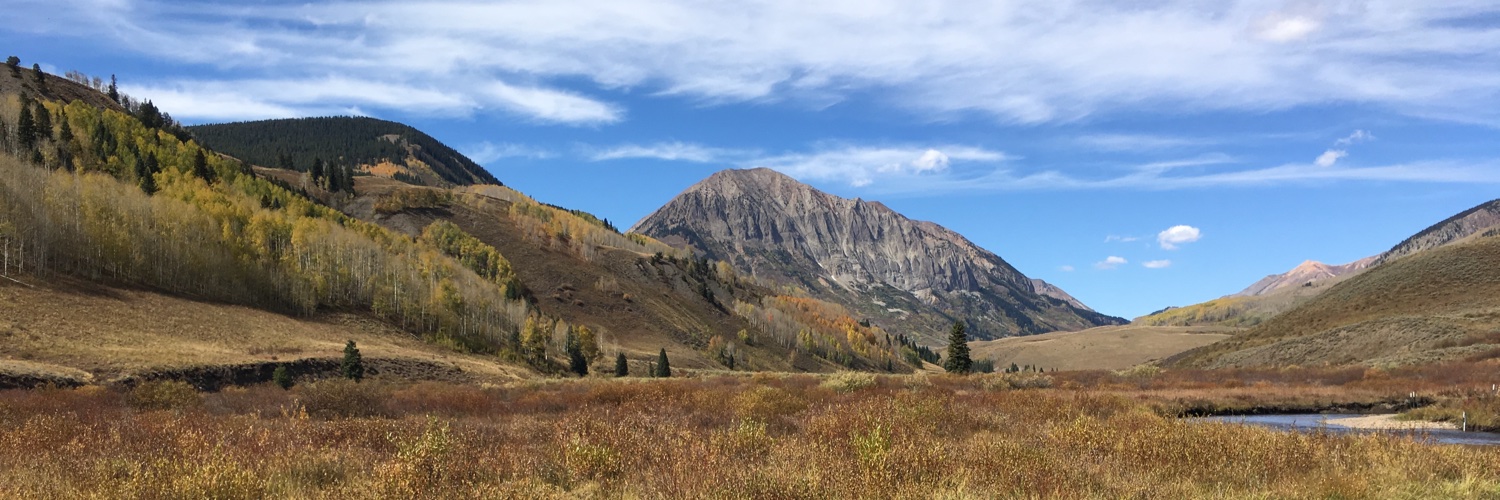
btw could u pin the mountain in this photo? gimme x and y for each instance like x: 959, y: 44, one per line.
x: 376, y: 147
x: 1050, y: 290
x: 1303, y: 275
x: 1433, y: 305
x: 905, y: 275
x: 1483, y: 218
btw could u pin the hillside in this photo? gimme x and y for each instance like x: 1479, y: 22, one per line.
x: 1305, y: 274
x: 1480, y: 219
x: 374, y: 147
x: 901, y: 274
x: 1432, y: 305
x: 1102, y: 348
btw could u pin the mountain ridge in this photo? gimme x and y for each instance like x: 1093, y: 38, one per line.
x: 912, y: 274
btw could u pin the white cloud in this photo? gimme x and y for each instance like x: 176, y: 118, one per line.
x: 1138, y: 142
x: 1017, y: 61
x: 1282, y: 28
x: 1122, y: 239
x: 1330, y: 157
x: 670, y: 151
x: 1157, y: 264
x: 861, y: 165
x: 1174, y: 236
x: 487, y: 152
x: 1066, y: 269
x: 1110, y: 262
x: 552, y: 105
x: 1355, y: 137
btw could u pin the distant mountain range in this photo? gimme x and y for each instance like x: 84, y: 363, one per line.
x: 905, y: 275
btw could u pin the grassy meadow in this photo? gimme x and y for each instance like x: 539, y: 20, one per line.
x: 1068, y: 435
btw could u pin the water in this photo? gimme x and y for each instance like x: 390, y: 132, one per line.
x: 1330, y: 423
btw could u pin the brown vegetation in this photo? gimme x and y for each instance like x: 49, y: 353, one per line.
x: 866, y: 436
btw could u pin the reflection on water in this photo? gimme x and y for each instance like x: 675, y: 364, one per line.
x: 1330, y: 423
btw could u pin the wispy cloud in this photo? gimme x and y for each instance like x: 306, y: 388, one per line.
x: 861, y: 165
x: 1066, y: 269
x: 1122, y: 239
x: 1178, y: 235
x: 1110, y: 262
x: 1157, y: 264
x: 1355, y: 137
x: 1139, y: 142
x: 1016, y: 61
x: 486, y: 152
x: 669, y: 151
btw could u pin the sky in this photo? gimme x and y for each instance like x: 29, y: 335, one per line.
x: 1136, y: 154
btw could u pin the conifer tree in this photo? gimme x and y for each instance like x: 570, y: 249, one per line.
x: 576, y: 362
x: 43, y: 123
x: 663, y: 367
x: 200, y: 167
x: 958, y: 350
x: 622, y: 366
x: 281, y: 377
x: 317, y: 172
x: 114, y: 90
x: 145, y: 171
x: 353, y: 366
x: 14, y: 63
x: 41, y: 78
x: 26, y: 128
x: 65, y: 135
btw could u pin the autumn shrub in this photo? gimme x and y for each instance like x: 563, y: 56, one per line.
x: 163, y: 395
x: 343, y: 398
x: 846, y: 382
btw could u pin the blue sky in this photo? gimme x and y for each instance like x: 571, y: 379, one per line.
x: 1080, y: 140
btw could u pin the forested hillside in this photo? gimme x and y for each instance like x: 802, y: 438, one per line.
x: 372, y: 146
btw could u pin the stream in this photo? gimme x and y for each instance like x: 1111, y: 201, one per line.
x: 1309, y: 422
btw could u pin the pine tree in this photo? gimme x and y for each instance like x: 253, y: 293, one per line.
x: 317, y: 172
x: 114, y: 90
x: 622, y: 366
x: 200, y: 167
x: 282, y: 378
x: 663, y: 368
x: 576, y: 362
x: 65, y: 135
x: 353, y: 366
x: 43, y: 123
x: 41, y: 78
x: 26, y: 128
x: 14, y: 63
x: 958, y: 350
x: 145, y: 171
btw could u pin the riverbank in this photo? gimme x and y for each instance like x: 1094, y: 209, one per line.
x: 1389, y: 422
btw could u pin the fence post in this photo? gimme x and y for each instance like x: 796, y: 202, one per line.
x: 1466, y: 422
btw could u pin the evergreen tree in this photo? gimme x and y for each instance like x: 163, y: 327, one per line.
x: 43, y: 123
x: 65, y: 135
x: 576, y: 362
x: 14, y: 63
x: 282, y: 378
x: 145, y: 171
x: 200, y: 167
x: 114, y: 90
x: 354, y: 365
x: 26, y: 128
x: 663, y: 368
x: 958, y: 350
x: 622, y: 366
x: 316, y: 172
x: 41, y: 78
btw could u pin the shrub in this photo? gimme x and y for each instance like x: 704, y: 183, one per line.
x: 163, y: 395
x: 282, y: 378
x: 353, y: 366
x: 846, y: 382
x: 343, y: 398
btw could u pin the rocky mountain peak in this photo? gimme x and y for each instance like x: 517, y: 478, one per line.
x: 879, y: 263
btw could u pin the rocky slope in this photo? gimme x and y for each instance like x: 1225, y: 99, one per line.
x: 1304, y: 274
x: 1480, y: 219
x: 903, y: 274
x: 1051, y: 290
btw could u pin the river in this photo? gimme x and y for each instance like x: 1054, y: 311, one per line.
x: 1309, y: 422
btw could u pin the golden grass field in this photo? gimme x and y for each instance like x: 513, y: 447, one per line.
x: 1102, y: 348
x: 1093, y: 435
x: 94, y: 334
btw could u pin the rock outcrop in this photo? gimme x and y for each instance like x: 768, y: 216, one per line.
x: 908, y: 276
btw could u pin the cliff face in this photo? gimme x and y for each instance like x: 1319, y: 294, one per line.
x: 906, y: 275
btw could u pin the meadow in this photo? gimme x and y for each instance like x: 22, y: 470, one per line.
x: 851, y: 435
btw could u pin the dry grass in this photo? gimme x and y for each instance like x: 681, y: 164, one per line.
x: 95, y: 333
x: 1102, y: 348
x: 767, y: 436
